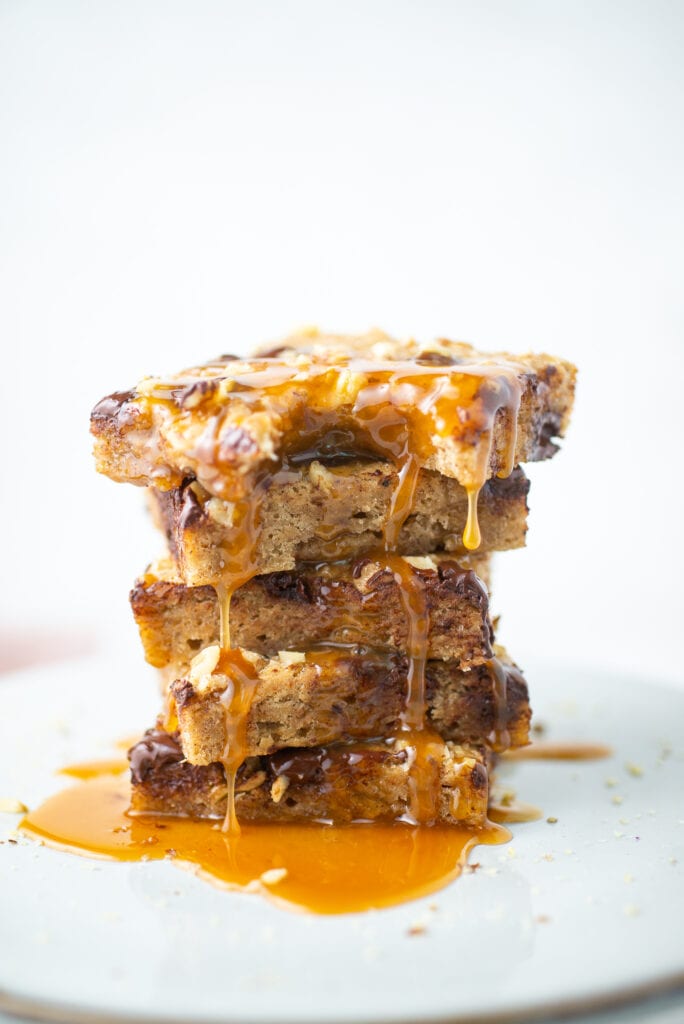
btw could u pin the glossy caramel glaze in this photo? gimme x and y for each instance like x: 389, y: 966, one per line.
x: 224, y: 421
x: 328, y: 870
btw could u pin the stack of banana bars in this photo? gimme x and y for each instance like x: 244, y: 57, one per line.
x: 321, y: 617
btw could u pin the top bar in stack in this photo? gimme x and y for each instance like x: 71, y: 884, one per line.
x: 327, y: 458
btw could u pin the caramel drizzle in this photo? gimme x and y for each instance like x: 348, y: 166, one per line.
x: 500, y: 737
x: 510, y: 404
x: 399, y: 415
x: 237, y: 700
x: 390, y: 432
x: 239, y: 558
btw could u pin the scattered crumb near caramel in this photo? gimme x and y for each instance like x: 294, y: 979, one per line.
x: 416, y: 929
x: 634, y: 769
x: 617, y: 799
x: 273, y: 876
x: 433, y: 907
x: 539, y: 728
x: 279, y: 788
x: 542, y: 919
x: 552, y: 821
x: 611, y: 782
x: 472, y: 868
x: 170, y: 853
x: 547, y: 856
x: 9, y: 805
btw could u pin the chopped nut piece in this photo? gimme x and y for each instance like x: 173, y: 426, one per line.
x: 203, y: 665
x: 420, y: 562
x: 552, y: 821
x: 634, y: 769
x: 279, y: 788
x: 220, y: 511
x: 291, y: 657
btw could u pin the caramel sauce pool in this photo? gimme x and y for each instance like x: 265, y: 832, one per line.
x: 327, y: 869
x: 319, y: 868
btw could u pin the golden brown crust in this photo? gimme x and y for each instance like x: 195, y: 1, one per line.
x: 327, y: 513
x: 328, y: 696
x: 338, y: 783
x: 360, y: 603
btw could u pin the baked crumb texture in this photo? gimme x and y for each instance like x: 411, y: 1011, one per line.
x: 321, y: 616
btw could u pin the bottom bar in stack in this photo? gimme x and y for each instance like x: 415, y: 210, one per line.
x: 341, y: 783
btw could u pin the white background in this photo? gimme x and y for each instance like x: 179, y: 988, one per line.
x: 183, y: 179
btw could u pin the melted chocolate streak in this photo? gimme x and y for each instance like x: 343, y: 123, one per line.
x: 155, y: 750
x: 158, y: 750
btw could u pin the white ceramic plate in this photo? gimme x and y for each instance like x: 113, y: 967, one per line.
x: 578, y: 914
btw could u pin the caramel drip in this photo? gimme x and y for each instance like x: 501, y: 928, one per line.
x: 500, y: 737
x: 390, y: 432
x: 237, y: 700
x: 509, y: 404
x: 239, y: 559
x: 471, y: 534
x: 238, y: 565
x: 319, y: 868
x: 425, y: 746
x: 169, y: 714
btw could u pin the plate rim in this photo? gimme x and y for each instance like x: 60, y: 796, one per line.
x: 32, y: 1009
